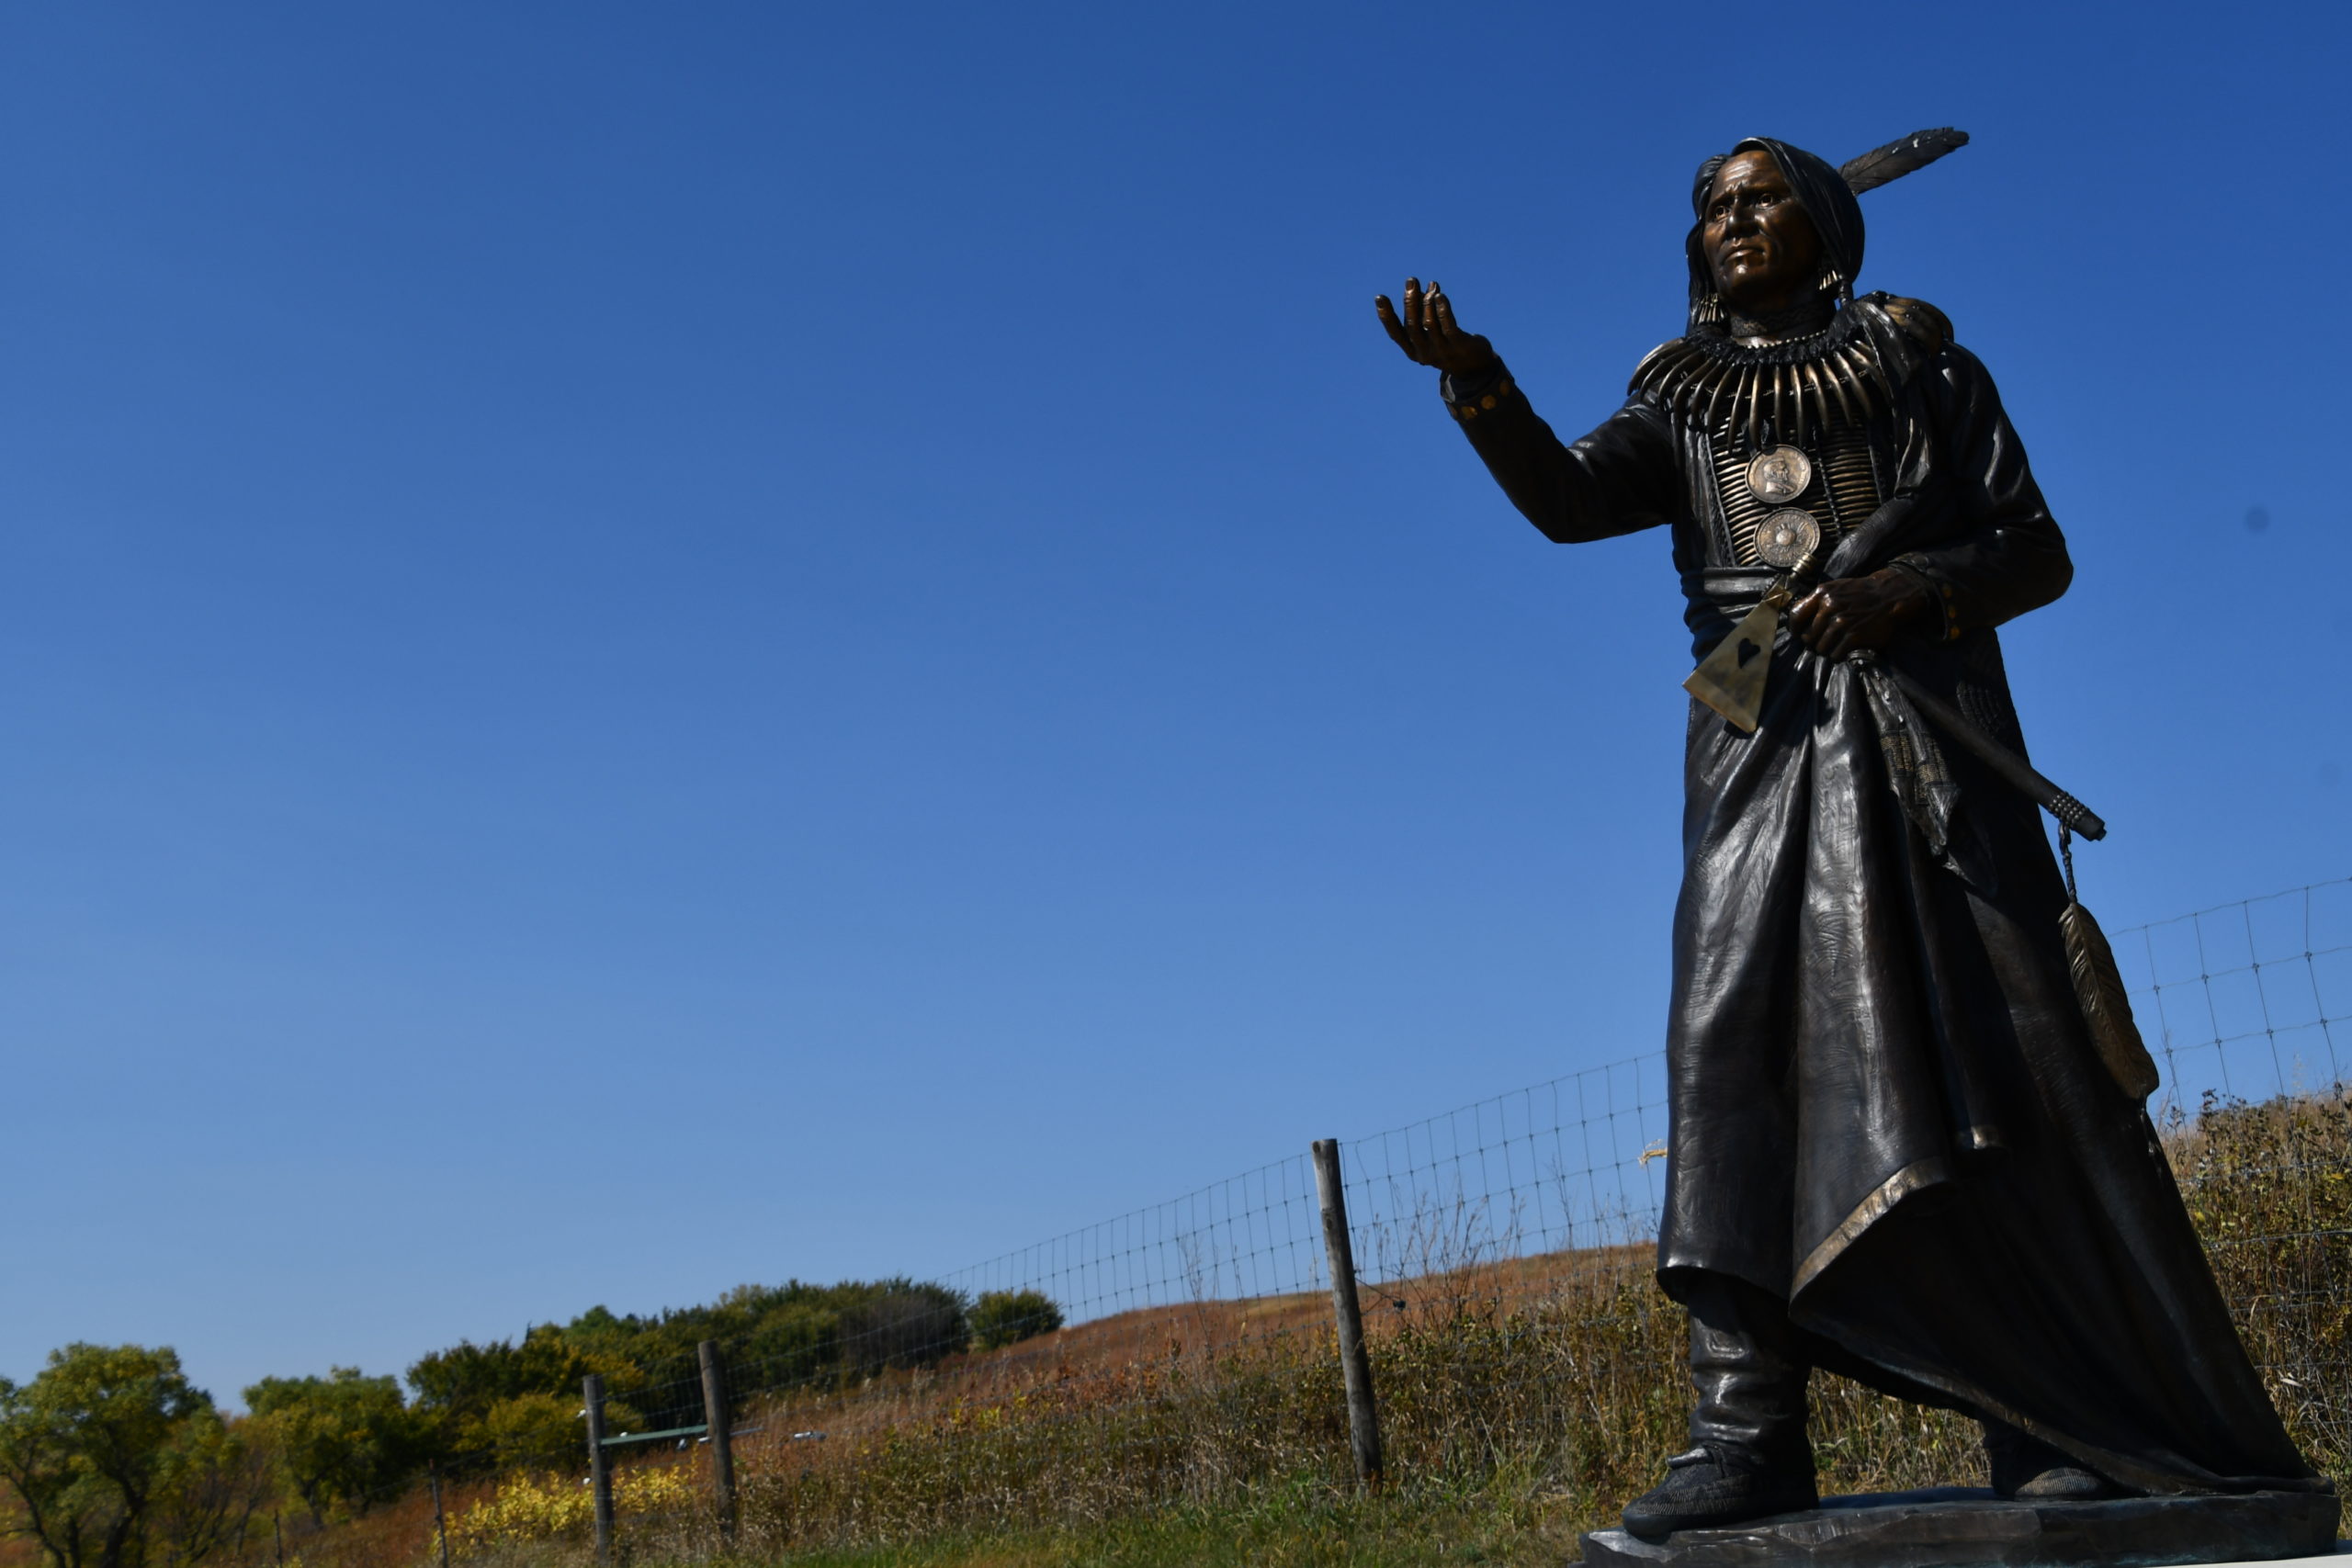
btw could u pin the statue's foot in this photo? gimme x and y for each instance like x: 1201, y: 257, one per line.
x: 1719, y: 1483
x: 2029, y: 1467
x: 2066, y: 1483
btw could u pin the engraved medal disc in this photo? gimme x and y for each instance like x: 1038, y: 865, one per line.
x: 1777, y: 475
x: 1787, y: 536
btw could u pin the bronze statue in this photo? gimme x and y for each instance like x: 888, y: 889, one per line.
x: 1894, y: 1151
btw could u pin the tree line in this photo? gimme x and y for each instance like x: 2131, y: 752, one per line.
x: 110, y: 1457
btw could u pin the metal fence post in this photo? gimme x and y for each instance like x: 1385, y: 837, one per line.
x: 1355, y: 1367
x: 722, y: 1448
x: 600, y: 1467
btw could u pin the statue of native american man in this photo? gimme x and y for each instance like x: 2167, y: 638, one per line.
x: 1896, y: 1150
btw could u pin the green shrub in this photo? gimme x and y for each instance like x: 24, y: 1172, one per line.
x: 1006, y: 1317
x: 898, y: 1323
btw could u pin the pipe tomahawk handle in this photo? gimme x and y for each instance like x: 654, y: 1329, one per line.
x: 2015, y: 771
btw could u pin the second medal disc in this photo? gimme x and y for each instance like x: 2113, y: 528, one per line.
x: 1785, y: 537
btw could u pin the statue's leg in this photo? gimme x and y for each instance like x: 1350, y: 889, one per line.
x: 2024, y: 1466
x: 1750, y: 1371
x: 1749, y: 1457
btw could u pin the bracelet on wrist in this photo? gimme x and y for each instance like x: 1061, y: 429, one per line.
x: 1479, y: 397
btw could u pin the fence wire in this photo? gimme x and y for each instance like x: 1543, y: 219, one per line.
x: 2245, y: 1006
x: 1255, y: 1235
x: 2245, y: 1000
x: 1521, y: 1200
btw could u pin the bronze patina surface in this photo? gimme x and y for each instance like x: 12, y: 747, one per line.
x: 1897, y: 1150
x: 1969, y: 1527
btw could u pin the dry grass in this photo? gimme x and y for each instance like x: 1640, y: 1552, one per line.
x: 1521, y: 1399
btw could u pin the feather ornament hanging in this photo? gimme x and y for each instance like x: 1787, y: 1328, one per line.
x: 1899, y: 157
x: 2107, y: 1010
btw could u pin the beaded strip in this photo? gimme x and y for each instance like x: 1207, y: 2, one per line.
x: 1490, y: 400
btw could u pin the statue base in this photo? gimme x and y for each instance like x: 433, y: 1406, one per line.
x: 1955, y: 1526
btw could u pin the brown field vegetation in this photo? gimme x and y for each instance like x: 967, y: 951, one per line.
x: 1531, y: 1395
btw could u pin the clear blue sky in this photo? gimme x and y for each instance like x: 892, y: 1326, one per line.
x: 644, y: 647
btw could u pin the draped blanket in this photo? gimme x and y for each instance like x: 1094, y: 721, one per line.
x: 1885, y: 1109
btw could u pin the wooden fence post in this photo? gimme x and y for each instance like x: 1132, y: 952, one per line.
x: 1355, y: 1367
x: 600, y: 1467
x: 440, y: 1520
x: 722, y: 1448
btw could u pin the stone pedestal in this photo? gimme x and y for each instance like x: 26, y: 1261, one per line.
x: 1963, y: 1528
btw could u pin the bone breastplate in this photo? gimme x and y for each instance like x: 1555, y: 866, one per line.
x: 1794, y: 436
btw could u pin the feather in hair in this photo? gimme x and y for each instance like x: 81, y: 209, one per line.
x: 1899, y: 157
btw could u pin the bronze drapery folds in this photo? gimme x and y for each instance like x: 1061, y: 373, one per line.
x: 1891, y: 1122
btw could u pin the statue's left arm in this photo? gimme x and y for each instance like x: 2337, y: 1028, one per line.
x: 2001, y: 553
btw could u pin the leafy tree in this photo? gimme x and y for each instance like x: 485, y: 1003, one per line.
x: 794, y: 1332
x: 340, y: 1439
x: 90, y: 1444
x: 1006, y: 1317
x: 513, y: 1404
x: 461, y: 1384
x: 462, y: 1394
x: 218, y: 1475
x: 542, y: 1432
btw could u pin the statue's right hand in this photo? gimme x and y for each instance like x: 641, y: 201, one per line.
x: 1427, y: 331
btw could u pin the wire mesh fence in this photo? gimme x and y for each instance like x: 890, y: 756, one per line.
x: 2245, y: 1008
x: 1502, y: 1257
x: 2246, y: 1000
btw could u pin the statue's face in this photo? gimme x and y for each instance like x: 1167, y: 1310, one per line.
x: 1759, y: 241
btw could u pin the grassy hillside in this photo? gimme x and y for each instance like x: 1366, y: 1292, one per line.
x: 1521, y: 1400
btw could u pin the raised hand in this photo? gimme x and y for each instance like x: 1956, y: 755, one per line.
x: 1427, y: 333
